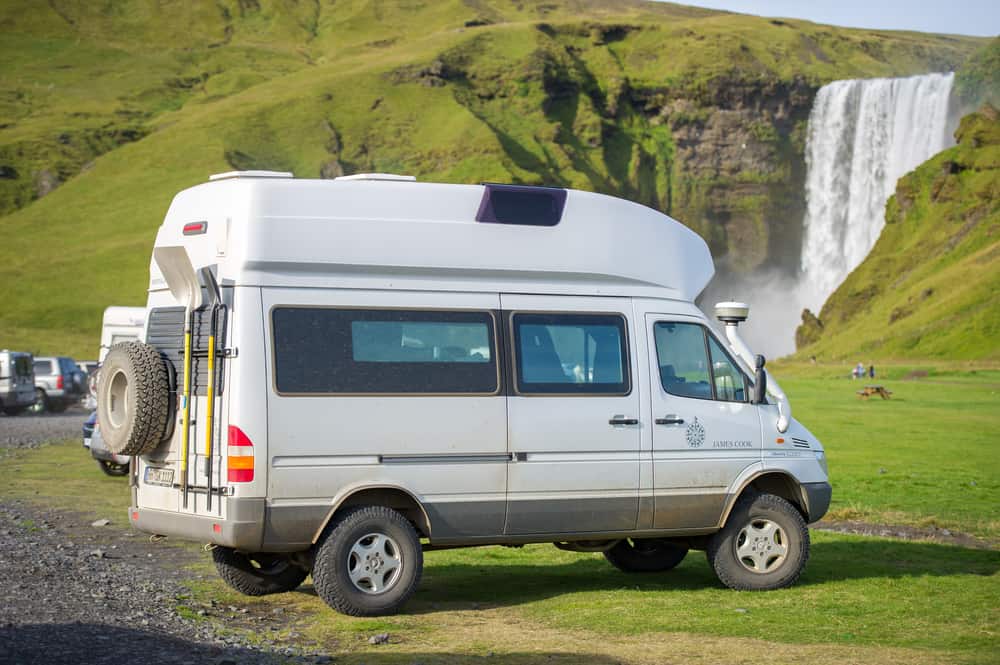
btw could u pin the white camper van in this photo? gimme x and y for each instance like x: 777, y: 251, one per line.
x: 120, y: 324
x: 338, y: 375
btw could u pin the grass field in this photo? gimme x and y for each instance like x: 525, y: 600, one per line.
x: 925, y: 457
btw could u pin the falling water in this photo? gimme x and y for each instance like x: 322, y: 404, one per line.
x: 864, y: 135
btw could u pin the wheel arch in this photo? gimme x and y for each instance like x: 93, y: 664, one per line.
x: 770, y: 481
x: 390, y: 496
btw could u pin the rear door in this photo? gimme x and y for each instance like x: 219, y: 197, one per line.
x: 573, y: 415
x: 705, y: 431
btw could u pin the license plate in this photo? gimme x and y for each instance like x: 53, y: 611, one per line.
x: 158, y: 476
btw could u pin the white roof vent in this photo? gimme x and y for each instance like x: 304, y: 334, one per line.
x: 378, y: 176
x: 251, y: 174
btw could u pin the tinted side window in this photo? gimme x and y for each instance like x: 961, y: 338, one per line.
x: 729, y: 383
x: 683, y: 360
x: 571, y: 353
x: 43, y: 367
x: 320, y: 350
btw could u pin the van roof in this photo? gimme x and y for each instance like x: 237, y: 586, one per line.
x: 377, y: 232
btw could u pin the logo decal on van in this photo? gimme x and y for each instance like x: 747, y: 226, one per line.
x: 695, y: 434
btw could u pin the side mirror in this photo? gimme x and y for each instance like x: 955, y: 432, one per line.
x: 759, y: 381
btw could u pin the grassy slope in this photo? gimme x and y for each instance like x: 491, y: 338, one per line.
x: 860, y: 599
x: 129, y: 105
x: 930, y: 288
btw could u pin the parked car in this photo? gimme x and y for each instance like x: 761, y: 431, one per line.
x: 58, y: 384
x: 17, y: 382
x: 369, y: 367
x: 111, y: 464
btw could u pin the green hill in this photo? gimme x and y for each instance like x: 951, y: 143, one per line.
x: 930, y: 288
x: 108, y: 109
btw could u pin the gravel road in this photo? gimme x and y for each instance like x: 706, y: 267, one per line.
x: 28, y: 431
x: 76, y: 593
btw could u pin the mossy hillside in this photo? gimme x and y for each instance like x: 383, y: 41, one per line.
x: 930, y: 288
x: 696, y: 113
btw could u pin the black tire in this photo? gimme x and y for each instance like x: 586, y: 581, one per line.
x: 41, y: 402
x: 778, y: 557
x: 336, y: 558
x: 133, y: 399
x: 257, y: 574
x: 645, y: 555
x: 113, y: 468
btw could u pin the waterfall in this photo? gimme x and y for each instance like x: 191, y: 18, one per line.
x: 863, y: 135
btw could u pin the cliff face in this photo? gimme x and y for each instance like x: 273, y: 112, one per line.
x: 931, y: 285
x: 108, y: 112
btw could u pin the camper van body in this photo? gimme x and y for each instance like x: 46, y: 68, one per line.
x: 500, y: 365
x: 120, y: 324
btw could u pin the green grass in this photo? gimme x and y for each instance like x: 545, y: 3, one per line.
x: 860, y: 599
x: 124, y: 107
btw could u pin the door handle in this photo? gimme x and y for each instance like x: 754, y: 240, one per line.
x: 670, y: 420
x: 622, y: 420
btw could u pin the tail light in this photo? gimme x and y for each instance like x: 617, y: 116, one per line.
x: 240, y: 458
x: 59, y: 382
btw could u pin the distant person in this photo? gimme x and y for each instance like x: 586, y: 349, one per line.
x: 859, y: 370
x: 871, y: 371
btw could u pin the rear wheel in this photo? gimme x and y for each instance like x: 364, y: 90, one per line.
x: 257, y: 574
x: 113, y: 468
x: 40, y: 402
x: 645, y: 555
x: 369, y: 562
x: 764, y: 545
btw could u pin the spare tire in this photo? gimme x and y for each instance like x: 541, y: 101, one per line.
x: 133, y: 399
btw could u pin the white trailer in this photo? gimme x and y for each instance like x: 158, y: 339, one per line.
x: 338, y: 375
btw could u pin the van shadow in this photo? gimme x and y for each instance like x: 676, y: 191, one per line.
x: 493, y: 583
x: 76, y: 643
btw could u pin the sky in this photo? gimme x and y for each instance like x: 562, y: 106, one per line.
x: 961, y: 17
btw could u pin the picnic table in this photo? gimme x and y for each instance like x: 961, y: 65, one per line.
x: 868, y: 391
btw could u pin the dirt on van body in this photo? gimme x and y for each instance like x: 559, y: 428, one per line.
x: 74, y: 592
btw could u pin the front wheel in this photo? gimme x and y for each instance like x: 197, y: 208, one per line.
x: 369, y: 563
x: 764, y: 545
x: 645, y: 555
x: 113, y: 468
x: 257, y: 574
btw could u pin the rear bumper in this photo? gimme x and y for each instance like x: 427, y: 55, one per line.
x: 243, y: 528
x: 817, y: 497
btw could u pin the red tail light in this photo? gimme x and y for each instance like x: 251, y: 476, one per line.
x: 59, y: 382
x: 240, y: 459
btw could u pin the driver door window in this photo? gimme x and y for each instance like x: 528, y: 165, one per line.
x: 693, y: 364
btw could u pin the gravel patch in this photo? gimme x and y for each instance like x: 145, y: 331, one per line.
x: 76, y: 593
x: 30, y: 431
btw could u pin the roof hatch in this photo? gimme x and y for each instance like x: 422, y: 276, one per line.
x: 251, y: 174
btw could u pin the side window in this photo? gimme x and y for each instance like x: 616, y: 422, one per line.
x: 693, y: 364
x: 729, y: 383
x: 329, y: 351
x: 43, y: 367
x: 682, y: 359
x: 571, y: 354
